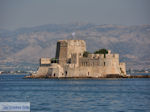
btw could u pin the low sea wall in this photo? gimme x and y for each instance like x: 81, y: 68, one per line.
x: 107, y: 76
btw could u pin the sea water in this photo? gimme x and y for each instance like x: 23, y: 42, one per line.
x: 77, y: 95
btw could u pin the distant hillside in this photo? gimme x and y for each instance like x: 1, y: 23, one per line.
x: 27, y: 45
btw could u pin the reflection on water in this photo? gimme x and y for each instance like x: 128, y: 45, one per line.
x: 72, y: 95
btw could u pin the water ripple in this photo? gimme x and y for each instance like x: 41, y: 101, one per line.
x: 76, y: 95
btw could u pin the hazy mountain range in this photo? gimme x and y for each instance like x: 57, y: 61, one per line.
x: 27, y: 45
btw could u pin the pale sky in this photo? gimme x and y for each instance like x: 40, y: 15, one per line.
x: 16, y: 14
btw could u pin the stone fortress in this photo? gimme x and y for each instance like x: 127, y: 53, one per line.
x: 71, y: 63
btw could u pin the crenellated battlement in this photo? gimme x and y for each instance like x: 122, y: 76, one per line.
x: 112, y: 56
x: 97, y: 56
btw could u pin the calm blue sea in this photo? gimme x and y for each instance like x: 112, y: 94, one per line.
x: 77, y: 95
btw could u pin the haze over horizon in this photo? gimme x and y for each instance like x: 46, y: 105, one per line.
x: 17, y: 14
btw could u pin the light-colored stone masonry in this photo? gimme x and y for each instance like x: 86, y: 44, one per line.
x: 71, y: 63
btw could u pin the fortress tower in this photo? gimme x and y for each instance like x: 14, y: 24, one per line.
x: 65, y: 48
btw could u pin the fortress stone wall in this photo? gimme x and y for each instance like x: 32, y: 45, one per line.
x: 72, y: 63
